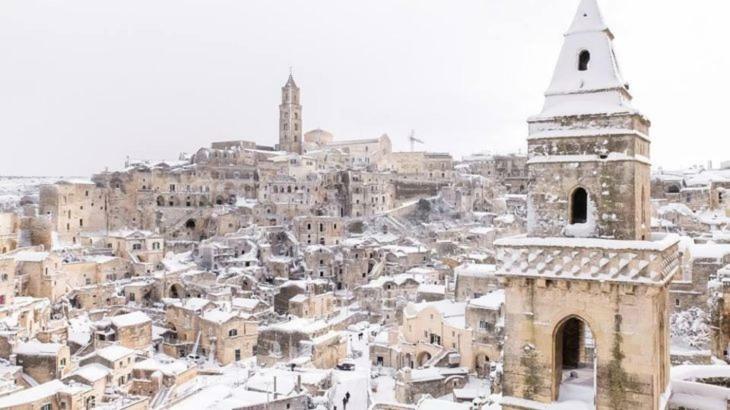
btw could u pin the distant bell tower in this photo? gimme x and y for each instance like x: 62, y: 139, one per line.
x: 588, y: 166
x: 290, y: 118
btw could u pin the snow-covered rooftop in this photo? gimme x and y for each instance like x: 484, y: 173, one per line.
x: 114, y: 352
x: 130, y: 319
x: 492, y: 300
x: 35, y: 348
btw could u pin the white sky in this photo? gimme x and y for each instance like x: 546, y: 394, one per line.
x: 84, y: 83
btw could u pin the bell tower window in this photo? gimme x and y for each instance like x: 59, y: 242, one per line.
x: 579, y: 206
x: 583, y: 59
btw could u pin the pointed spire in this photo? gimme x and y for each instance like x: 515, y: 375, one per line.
x: 587, y: 79
x: 290, y: 82
x: 588, y: 18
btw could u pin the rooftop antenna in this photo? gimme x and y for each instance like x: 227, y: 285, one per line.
x: 412, y: 139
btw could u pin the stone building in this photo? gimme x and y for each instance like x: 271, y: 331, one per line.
x: 195, y: 323
x: 318, y: 306
x: 132, y: 330
x: 701, y: 265
x: 435, y: 334
x: 54, y: 395
x: 386, y: 296
x: 152, y: 375
x: 425, y: 166
x: 576, y: 301
x: 94, y: 375
x: 118, y: 359
x: 322, y: 230
x: 474, y: 280
x: 300, y: 339
x: 74, y: 207
x: 144, y: 248
x: 9, y: 231
x: 362, y: 153
x: 485, y: 316
x: 227, y: 336
x: 7, y: 280
x: 411, y: 385
x: 509, y: 171
x: 43, y: 361
x: 365, y: 193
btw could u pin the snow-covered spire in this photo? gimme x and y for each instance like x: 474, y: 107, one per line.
x: 587, y: 79
x: 587, y: 18
x: 290, y: 82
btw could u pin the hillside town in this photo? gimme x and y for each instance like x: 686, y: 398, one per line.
x: 324, y: 272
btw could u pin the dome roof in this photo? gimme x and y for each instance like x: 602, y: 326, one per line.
x: 318, y: 136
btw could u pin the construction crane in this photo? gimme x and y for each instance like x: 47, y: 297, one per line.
x: 412, y: 139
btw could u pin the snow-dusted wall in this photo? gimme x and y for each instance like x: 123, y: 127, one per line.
x: 608, y: 156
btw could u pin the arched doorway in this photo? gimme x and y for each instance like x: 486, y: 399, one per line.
x: 176, y: 291
x: 575, y: 362
x: 423, y: 358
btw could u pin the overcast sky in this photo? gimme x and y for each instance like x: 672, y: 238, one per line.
x: 85, y: 83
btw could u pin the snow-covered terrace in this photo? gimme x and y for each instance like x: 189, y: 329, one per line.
x: 689, y: 393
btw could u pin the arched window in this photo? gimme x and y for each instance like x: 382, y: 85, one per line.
x: 583, y: 59
x: 579, y: 206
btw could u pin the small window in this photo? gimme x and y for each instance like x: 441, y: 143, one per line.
x: 233, y: 332
x: 579, y: 206
x: 583, y: 60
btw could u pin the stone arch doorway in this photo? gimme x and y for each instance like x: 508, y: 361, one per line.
x: 575, y: 362
x: 176, y: 291
x: 423, y: 358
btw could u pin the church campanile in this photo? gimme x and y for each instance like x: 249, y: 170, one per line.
x: 290, y: 118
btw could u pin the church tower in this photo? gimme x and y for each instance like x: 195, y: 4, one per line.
x: 290, y: 118
x: 586, y: 290
x: 588, y: 149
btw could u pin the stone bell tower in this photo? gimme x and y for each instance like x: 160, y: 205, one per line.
x: 589, y: 170
x: 290, y: 118
x: 586, y: 289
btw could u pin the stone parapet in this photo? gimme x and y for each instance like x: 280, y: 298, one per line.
x: 634, y: 262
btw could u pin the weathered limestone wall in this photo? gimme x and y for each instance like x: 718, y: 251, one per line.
x: 626, y: 321
x: 613, y: 167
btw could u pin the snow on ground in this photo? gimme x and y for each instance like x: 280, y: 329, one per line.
x: 356, y: 382
x: 577, y: 389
